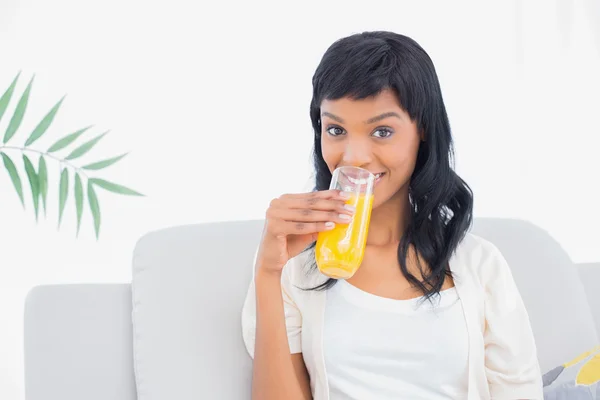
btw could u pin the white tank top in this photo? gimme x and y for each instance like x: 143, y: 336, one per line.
x: 384, y: 349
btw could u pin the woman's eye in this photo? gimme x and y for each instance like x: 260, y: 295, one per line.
x: 383, y: 133
x: 335, y: 131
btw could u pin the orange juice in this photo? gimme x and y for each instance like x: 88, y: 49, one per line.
x: 340, y: 251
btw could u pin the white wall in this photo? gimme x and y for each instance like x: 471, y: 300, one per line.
x: 198, y: 93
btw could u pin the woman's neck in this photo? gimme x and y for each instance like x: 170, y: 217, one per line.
x: 389, y: 220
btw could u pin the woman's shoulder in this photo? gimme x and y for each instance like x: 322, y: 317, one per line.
x: 476, y: 245
x: 480, y: 257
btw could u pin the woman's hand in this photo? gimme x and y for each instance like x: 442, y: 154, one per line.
x: 293, y: 221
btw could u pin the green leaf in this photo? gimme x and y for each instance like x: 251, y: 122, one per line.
x: 17, y: 117
x: 94, y: 207
x: 104, y: 163
x: 78, y: 200
x: 113, y: 187
x: 14, y: 176
x: 44, y: 124
x: 67, y: 140
x: 63, y: 192
x: 84, y: 148
x: 43, y: 179
x: 5, y: 99
x: 33, y: 183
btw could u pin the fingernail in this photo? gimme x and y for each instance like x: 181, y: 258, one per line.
x: 344, y: 195
x: 329, y: 225
x: 345, y: 217
x: 349, y: 207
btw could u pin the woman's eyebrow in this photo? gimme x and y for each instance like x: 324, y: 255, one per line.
x: 383, y: 116
x: 333, y: 117
x: 369, y: 121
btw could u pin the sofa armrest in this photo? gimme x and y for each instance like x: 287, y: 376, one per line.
x: 590, y: 276
x: 78, y: 343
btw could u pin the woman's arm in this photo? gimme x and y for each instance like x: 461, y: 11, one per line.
x: 511, y: 362
x: 277, y: 374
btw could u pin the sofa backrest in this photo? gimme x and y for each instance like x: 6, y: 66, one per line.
x: 549, y: 283
x: 590, y: 276
x: 77, y: 341
x: 189, y: 285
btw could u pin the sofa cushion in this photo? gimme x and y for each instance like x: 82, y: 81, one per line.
x: 549, y: 283
x: 189, y: 285
x: 577, y: 379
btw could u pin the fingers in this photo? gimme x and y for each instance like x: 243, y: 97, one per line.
x: 321, y: 194
x: 318, y: 201
x: 284, y: 228
x: 337, y: 214
x: 308, y: 213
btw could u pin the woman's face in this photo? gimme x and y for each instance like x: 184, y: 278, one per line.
x: 375, y: 134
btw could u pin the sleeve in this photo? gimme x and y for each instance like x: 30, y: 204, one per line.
x: 293, y: 317
x: 511, y: 362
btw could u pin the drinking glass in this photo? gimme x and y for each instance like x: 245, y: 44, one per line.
x: 340, y: 251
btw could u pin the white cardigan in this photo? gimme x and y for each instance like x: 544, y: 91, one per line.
x: 503, y: 360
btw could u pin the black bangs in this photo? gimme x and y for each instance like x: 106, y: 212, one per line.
x: 363, y: 65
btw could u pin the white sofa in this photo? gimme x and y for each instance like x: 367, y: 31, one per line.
x: 174, y: 332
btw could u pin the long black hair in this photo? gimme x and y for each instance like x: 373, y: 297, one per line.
x: 361, y: 66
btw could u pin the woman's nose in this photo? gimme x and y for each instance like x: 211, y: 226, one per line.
x: 357, y: 153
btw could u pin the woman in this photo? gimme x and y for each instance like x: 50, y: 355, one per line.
x: 433, y: 312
